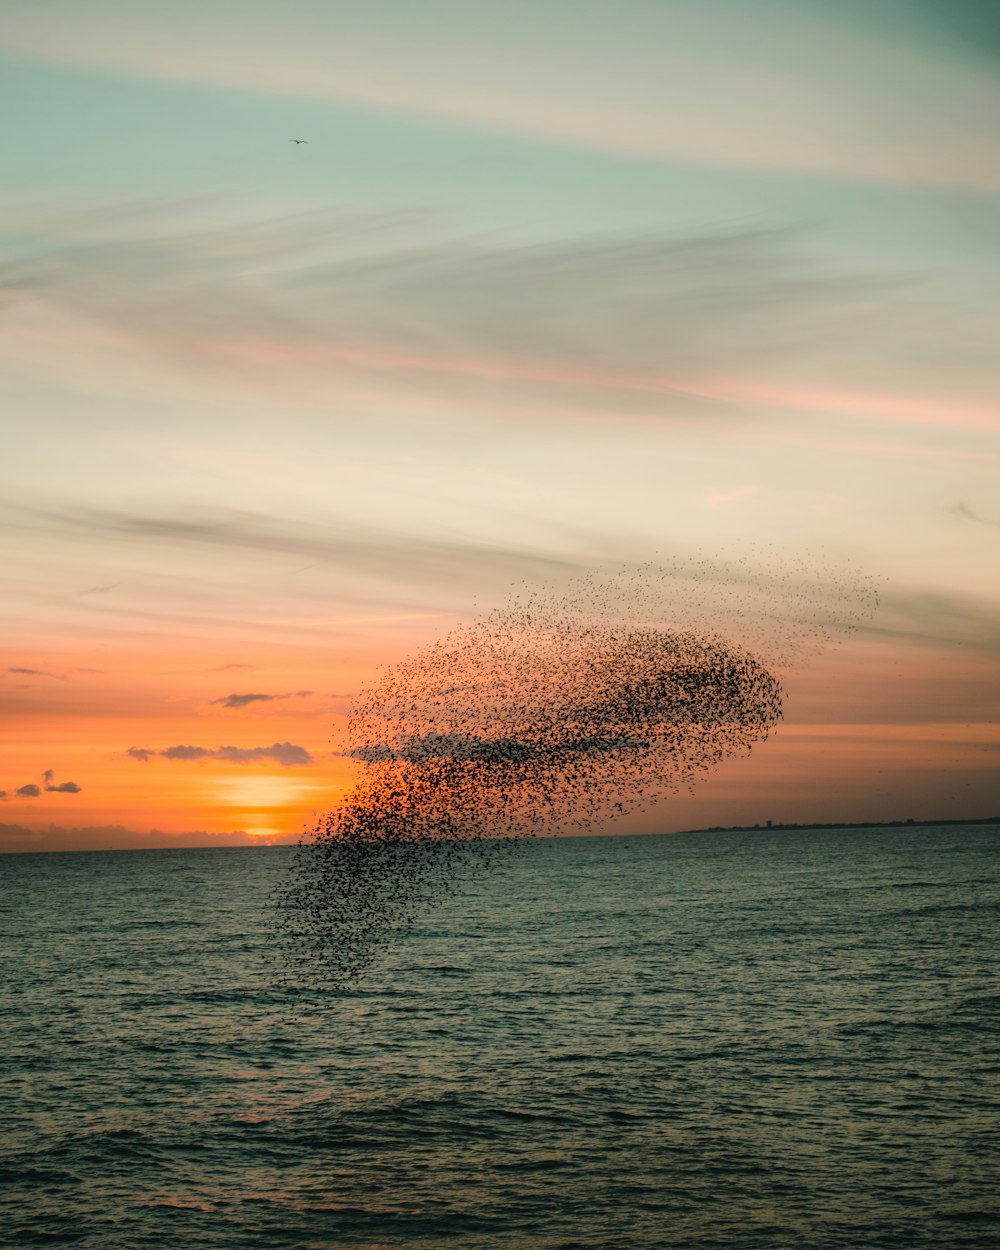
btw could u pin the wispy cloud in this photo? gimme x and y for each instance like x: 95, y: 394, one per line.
x: 663, y: 325
x: 603, y: 90
x: 963, y: 510
x: 928, y: 617
x: 31, y: 672
x: 353, y: 547
x: 286, y: 754
x: 646, y: 317
x: 242, y: 700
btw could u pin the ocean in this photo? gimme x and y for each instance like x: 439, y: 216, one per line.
x: 766, y: 1039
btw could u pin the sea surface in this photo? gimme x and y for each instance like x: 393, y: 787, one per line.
x: 768, y: 1039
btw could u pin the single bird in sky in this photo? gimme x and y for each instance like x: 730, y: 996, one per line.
x: 298, y: 140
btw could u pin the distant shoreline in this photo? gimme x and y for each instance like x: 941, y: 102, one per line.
x: 285, y: 846
x: 772, y: 827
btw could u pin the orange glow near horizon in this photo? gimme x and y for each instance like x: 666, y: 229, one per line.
x: 81, y: 721
x: 84, y: 722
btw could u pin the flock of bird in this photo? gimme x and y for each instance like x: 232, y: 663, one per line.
x: 552, y: 714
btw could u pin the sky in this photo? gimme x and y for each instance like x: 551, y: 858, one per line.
x: 547, y: 286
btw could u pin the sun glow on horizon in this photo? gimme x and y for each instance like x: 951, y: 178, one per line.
x: 589, y: 291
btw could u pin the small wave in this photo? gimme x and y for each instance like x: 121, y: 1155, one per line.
x: 12, y: 1174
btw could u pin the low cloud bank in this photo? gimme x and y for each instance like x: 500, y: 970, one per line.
x: 15, y: 838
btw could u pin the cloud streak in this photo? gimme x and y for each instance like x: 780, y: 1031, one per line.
x: 601, y: 91
x: 317, y: 290
x: 287, y: 754
x: 936, y: 618
x: 962, y: 509
x: 243, y: 700
x: 701, y: 324
x: 420, y: 748
x: 350, y: 546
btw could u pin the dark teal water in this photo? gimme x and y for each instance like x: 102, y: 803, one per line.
x: 720, y: 1040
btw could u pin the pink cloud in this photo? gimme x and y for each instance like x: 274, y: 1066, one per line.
x: 719, y: 497
x: 743, y: 392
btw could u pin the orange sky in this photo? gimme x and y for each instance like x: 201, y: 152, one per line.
x: 81, y: 721
x: 277, y: 415
x: 81, y: 711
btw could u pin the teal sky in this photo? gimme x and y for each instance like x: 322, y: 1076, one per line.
x: 548, y: 283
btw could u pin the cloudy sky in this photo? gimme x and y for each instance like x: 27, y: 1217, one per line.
x: 548, y: 285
